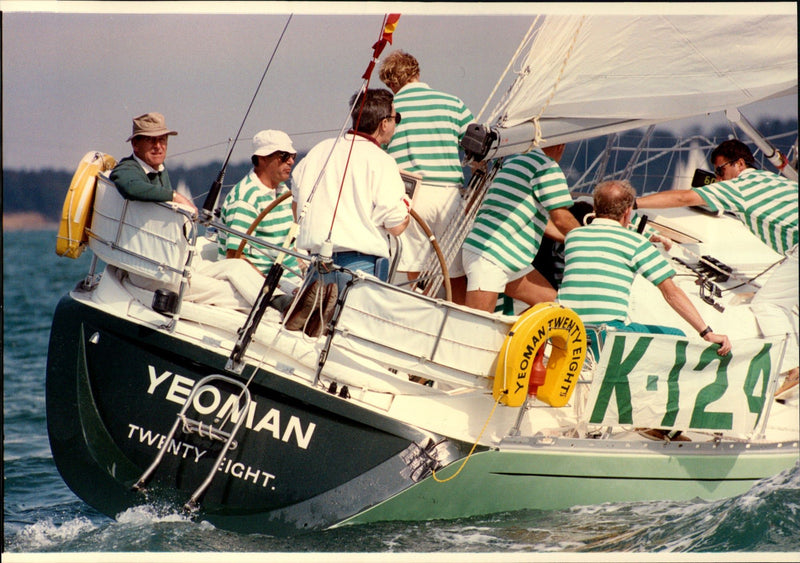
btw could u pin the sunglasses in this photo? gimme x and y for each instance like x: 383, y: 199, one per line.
x: 285, y: 156
x: 721, y: 168
x: 396, y: 117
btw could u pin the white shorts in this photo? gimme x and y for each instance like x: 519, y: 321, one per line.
x: 775, y: 306
x: 485, y: 275
x: 440, y: 207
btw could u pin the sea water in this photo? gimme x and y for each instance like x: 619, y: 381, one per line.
x: 41, y: 515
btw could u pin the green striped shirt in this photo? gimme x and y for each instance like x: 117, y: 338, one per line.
x: 766, y: 203
x: 602, y: 260
x: 241, y: 207
x: 510, y: 223
x: 426, y: 139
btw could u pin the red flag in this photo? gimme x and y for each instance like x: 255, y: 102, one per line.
x: 390, y: 26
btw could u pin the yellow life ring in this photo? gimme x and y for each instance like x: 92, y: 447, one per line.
x: 541, y: 323
x: 77, y: 210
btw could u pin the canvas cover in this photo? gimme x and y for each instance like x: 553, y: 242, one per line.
x: 662, y: 381
x: 142, y: 237
x: 420, y: 336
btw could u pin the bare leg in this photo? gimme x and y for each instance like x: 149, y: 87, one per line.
x: 531, y: 289
x: 458, y: 286
x: 480, y: 299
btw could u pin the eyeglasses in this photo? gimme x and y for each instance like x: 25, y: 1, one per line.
x: 721, y: 168
x: 285, y: 156
x: 396, y: 117
x: 162, y: 140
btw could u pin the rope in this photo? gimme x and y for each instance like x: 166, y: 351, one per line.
x: 377, y: 49
x: 505, y: 72
x: 537, y: 139
x: 475, y: 445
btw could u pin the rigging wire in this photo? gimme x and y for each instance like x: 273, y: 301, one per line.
x: 377, y: 49
x: 522, y: 44
x: 213, y: 193
x: 385, y: 36
x: 229, y: 140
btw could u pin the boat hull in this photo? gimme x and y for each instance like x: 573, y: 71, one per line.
x: 308, y: 459
x: 303, y: 459
x: 557, y: 474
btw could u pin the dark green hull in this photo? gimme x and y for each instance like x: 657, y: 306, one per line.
x: 304, y: 459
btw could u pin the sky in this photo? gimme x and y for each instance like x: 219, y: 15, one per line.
x: 75, y: 73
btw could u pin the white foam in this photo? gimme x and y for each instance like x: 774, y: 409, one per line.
x: 44, y: 534
x: 149, y: 514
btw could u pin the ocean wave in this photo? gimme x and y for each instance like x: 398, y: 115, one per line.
x: 47, y: 536
x: 765, y: 519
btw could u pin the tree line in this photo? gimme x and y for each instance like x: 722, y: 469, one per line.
x: 43, y: 191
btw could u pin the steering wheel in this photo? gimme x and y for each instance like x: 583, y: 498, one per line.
x: 258, y: 219
x: 420, y: 221
x: 448, y: 291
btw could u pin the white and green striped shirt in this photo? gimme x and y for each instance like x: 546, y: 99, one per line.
x: 426, y: 139
x: 766, y: 202
x: 241, y: 207
x: 602, y: 260
x: 510, y: 223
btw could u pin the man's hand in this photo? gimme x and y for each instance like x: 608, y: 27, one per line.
x: 183, y: 200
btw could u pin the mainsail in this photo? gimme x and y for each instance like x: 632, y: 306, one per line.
x: 584, y: 76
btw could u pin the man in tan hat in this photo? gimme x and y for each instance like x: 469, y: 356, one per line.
x: 273, y: 157
x: 142, y: 175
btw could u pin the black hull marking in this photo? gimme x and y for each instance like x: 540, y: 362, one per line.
x: 307, y: 460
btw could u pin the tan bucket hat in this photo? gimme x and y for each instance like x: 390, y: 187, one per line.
x: 150, y: 125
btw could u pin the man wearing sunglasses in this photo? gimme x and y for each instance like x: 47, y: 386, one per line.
x: 767, y: 204
x: 738, y: 189
x: 273, y: 157
x: 348, y: 192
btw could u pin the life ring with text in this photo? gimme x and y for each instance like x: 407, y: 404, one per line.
x: 535, y: 327
x: 77, y: 210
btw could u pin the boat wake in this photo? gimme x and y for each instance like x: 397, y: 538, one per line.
x: 45, y: 535
x: 764, y: 519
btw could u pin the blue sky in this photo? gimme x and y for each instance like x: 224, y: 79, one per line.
x: 74, y: 76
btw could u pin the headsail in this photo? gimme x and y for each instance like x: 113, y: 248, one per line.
x: 585, y: 76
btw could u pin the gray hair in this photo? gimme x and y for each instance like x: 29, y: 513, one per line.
x: 612, y: 198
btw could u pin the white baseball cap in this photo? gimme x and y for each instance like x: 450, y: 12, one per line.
x: 270, y: 140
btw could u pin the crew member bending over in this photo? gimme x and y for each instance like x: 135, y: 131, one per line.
x: 603, y: 258
x: 499, y: 251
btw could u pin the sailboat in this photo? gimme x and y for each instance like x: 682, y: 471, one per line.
x: 407, y: 406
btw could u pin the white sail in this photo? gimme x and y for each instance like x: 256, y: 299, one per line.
x: 183, y: 189
x: 590, y: 75
x: 684, y: 171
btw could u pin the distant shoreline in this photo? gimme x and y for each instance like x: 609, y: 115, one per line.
x: 27, y: 221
